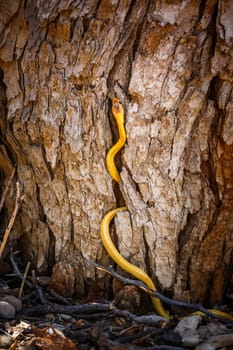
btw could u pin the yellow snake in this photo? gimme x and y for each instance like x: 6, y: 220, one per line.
x: 118, y: 113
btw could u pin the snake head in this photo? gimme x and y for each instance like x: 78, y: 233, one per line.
x: 117, y: 109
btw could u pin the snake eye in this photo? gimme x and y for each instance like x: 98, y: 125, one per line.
x: 116, y: 104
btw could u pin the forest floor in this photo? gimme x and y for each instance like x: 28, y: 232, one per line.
x: 33, y: 316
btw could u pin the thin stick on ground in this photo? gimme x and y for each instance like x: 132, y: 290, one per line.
x: 18, y: 199
x: 24, y: 279
x: 38, y: 289
x: 7, y: 188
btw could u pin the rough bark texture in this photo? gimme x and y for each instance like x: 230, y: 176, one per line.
x: 171, y: 65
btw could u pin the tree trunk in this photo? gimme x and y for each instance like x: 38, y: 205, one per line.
x: 170, y: 64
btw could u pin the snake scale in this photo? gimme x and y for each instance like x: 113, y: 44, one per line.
x: 118, y: 113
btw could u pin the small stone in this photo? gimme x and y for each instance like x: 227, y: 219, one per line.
x: 187, y: 329
x: 6, y: 310
x: 216, y: 342
x: 190, y: 339
x: 204, y: 346
x: 66, y: 317
x: 210, y: 329
x: 221, y: 341
x: 5, y: 341
x: 15, y: 302
x: 188, y: 324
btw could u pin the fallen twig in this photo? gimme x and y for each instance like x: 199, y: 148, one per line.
x: 18, y: 199
x: 24, y: 279
x: 59, y: 297
x: 166, y: 347
x: 152, y: 320
x: 17, y: 271
x: 66, y: 309
x: 38, y: 289
x: 93, y: 308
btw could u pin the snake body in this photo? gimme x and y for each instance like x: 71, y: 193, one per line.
x: 118, y: 114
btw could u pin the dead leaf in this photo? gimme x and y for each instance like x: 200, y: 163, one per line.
x: 50, y: 338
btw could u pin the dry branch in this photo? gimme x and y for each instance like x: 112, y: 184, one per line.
x: 24, y: 279
x: 18, y: 199
x: 79, y: 310
x: 66, y: 309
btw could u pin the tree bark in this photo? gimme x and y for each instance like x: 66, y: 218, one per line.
x: 170, y: 64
